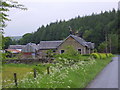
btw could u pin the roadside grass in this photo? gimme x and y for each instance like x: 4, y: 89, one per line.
x: 78, y: 75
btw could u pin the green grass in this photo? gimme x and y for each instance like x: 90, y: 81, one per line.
x: 75, y: 76
x: 9, y: 69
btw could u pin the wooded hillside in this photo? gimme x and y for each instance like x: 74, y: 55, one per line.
x: 102, y: 29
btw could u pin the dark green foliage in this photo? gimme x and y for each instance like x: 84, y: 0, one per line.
x: 26, y: 38
x: 70, y: 57
x: 102, y: 47
x: 92, y: 28
x: 6, y: 41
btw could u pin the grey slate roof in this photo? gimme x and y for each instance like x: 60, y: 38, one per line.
x: 90, y: 45
x: 56, y: 44
x: 16, y: 46
x: 30, y: 47
x: 49, y: 44
x: 81, y: 41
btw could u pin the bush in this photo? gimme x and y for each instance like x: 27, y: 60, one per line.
x: 109, y: 54
x: 95, y: 55
x: 70, y: 57
x: 102, y: 55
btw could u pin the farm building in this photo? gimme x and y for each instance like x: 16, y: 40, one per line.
x: 59, y: 47
x: 29, y: 50
x: 47, y: 45
x: 16, y: 47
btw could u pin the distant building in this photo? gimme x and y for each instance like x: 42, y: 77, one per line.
x: 58, y: 47
x: 16, y: 47
x: 13, y: 51
x: 29, y: 50
x: 47, y: 45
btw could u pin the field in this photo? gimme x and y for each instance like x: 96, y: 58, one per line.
x: 77, y: 75
x: 8, y: 71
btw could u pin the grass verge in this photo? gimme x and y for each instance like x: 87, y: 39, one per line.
x: 75, y: 76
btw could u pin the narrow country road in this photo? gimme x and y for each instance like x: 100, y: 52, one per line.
x: 108, y: 77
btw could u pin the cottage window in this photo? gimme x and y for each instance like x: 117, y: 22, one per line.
x: 62, y: 51
x: 79, y: 50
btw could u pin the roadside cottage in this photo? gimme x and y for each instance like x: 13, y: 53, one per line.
x: 59, y: 47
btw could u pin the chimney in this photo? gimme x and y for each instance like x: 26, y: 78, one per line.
x: 77, y: 33
x: 71, y: 32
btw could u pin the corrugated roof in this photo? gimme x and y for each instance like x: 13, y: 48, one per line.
x: 16, y: 46
x: 49, y: 44
x: 13, y: 50
x: 90, y: 45
x: 30, y: 47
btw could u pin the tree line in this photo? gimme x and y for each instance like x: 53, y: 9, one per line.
x: 101, y: 29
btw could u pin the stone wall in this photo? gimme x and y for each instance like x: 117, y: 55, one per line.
x: 25, y: 61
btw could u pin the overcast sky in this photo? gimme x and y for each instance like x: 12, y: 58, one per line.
x: 42, y: 12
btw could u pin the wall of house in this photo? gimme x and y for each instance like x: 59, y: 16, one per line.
x: 71, y: 42
x: 41, y: 53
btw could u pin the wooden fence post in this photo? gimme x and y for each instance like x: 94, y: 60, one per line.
x: 48, y: 72
x: 34, y: 73
x: 15, y: 79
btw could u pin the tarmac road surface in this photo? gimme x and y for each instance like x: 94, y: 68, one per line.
x: 108, y: 77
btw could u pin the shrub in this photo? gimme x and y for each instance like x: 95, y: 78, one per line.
x: 109, y: 54
x: 95, y: 55
x: 102, y: 55
x: 70, y: 57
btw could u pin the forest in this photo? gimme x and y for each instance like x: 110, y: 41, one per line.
x: 101, y: 29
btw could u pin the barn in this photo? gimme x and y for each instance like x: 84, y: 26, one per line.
x: 29, y: 50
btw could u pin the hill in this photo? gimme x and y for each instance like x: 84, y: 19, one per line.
x: 16, y: 37
x: 102, y: 29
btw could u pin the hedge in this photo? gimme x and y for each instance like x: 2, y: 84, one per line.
x: 95, y: 55
x: 101, y: 55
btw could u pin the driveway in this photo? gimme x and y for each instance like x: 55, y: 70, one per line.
x: 108, y: 77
